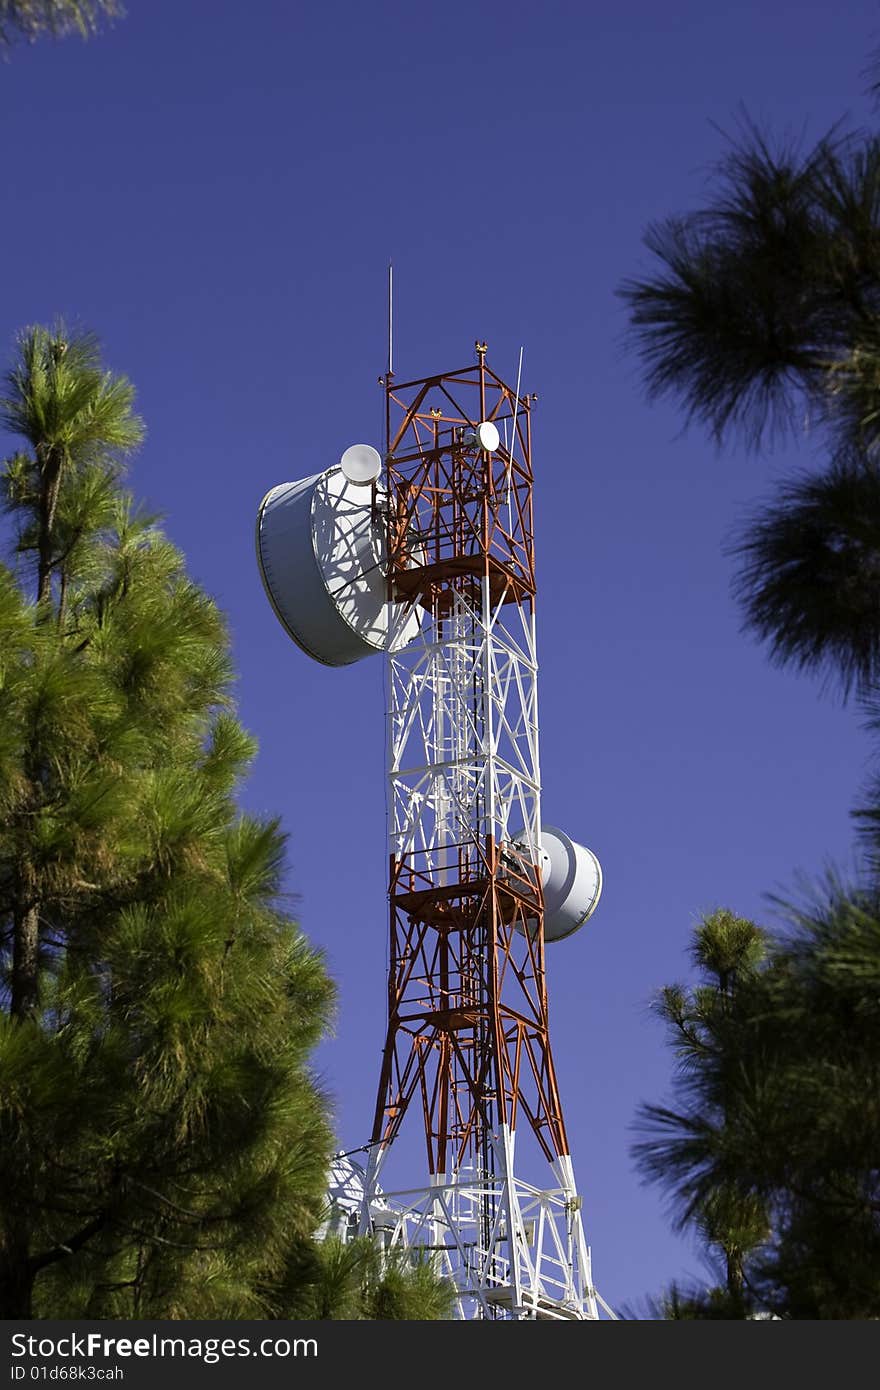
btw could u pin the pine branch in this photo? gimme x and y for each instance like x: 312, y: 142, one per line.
x: 69, y: 1246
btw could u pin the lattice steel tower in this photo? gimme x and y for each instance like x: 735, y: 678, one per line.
x: 429, y: 555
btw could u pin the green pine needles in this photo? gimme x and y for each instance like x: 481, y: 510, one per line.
x: 163, y: 1140
x: 769, y: 1150
x: 163, y: 1143
x: 760, y: 316
x: 761, y: 319
x: 28, y: 19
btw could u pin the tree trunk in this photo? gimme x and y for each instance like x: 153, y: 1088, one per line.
x: 735, y: 1273
x: 25, y: 960
x: 16, y: 1270
x: 16, y: 1291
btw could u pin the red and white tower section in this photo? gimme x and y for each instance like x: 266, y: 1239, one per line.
x: 427, y: 555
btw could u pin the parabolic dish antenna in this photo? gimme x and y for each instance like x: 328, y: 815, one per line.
x: 361, y: 464
x: 346, y: 1189
x: 321, y: 551
x: 572, y: 879
x: 484, y: 436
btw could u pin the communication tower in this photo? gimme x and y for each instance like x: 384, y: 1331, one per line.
x: 426, y: 554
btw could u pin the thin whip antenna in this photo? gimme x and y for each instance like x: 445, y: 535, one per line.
x: 512, y: 448
x: 390, y: 319
x: 515, y: 405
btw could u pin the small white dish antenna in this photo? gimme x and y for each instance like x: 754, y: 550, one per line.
x: 485, y: 436
x: 361, y: 464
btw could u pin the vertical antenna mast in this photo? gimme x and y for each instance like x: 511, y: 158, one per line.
x: 390, y: 319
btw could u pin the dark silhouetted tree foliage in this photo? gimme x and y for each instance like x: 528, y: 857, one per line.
x: 770, y: 1150
x: 764, y: 307
x: 761, y: 319
x: 809, y: 578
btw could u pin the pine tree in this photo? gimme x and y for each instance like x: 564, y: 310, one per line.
x: 164, y: 1146
x: 357, y: 1280
x: 693, y: 1149
x: 769, y: 1150
x: 162, y: 1141
x: 28, y: 19
x: 762, y: 314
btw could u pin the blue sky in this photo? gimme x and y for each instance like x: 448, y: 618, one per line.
x: 216, y: 189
